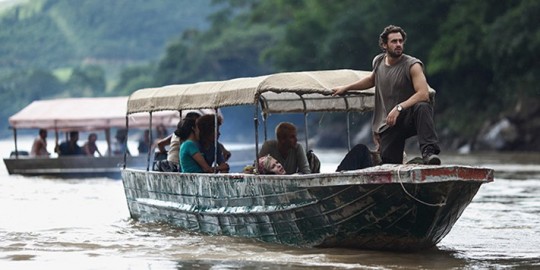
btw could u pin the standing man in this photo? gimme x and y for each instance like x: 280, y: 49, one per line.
x: 402, y: 107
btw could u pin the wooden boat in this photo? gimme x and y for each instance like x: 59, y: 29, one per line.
x: 388, y: 207
x: 78, y: 114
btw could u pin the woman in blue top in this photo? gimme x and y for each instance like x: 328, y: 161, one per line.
x: 191, y: 158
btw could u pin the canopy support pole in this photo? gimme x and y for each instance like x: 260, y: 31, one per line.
x: 56, y: 138
x: 256, y: 124
x: 305, y: 123
x: 306, y: 130
x: 15, y: 140
x: 125, y: 143
x: 216, y: 145
x: 264, y: 116
x: 150, y: 145
x: 348, y: 124
x: 265, y: 125
x: 348, y: 131
x: 108, y: 139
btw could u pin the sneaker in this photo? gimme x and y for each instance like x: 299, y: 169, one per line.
x: 416, y: 160
x: 431, y: 159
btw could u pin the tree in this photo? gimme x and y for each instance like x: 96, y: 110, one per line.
x: 482, y: 59
x: 515, y: 40
x: 230, y: 48
x: 87, y: 81
x: 134, y: 78
x: 24, y: 87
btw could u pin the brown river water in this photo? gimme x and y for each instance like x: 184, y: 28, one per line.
x: 84, y: 224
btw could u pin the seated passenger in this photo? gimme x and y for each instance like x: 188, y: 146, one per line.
x: 144, y: 142
x: 119, y: 146
x: 161, y: 132
x: 39, y: 147
x: 70, y: 147
x: 208, y: 139
x: 286, y: 150
x: 191, y: 158
x: 269, y: 165
x: 90, y: 147
x: 172, y: 163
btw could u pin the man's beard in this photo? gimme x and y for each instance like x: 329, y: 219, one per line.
x: 395, y: 54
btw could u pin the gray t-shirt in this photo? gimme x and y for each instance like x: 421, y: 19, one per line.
x: 296, y: 160
x: 393, y: 85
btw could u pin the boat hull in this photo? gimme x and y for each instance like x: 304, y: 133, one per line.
x: 72, y: 166
x: 384, y: 208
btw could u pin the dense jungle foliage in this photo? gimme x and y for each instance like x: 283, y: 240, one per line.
x: 479, y: 55
x: 64, y: 48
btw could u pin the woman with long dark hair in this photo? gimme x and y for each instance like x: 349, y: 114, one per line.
x: 191, y: 158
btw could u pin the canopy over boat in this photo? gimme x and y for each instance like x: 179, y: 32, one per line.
x: 290, y: 92
x: 282, y: 92
x: 85, y: 114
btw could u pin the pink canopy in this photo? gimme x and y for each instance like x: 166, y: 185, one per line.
x: 85, y: 114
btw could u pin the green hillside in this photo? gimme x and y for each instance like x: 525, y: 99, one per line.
x: 59, y: 48
x: 57, y: 33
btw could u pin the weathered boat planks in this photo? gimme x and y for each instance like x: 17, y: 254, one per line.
x: 386, y: 207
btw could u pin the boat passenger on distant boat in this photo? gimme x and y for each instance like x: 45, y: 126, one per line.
x: 39, y: 147
x: 119, y: 146
x: 90, y: 147
x: 70, y: 147
x: 144, y: 142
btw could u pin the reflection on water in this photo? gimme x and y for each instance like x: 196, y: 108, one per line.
x: 84, y: 224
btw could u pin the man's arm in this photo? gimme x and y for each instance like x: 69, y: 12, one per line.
x: 86, y: 149
x: 420, y: 87
x: 226, y: 153
x: 198, y: 157
x: 421, y: 93
x: 303, y: 164
x: 265, y: 149
x: 163, y: 142
x: 362, y: 84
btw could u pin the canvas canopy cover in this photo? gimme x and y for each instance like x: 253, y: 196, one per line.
x: 278, y: 93
x: 84, y: 114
